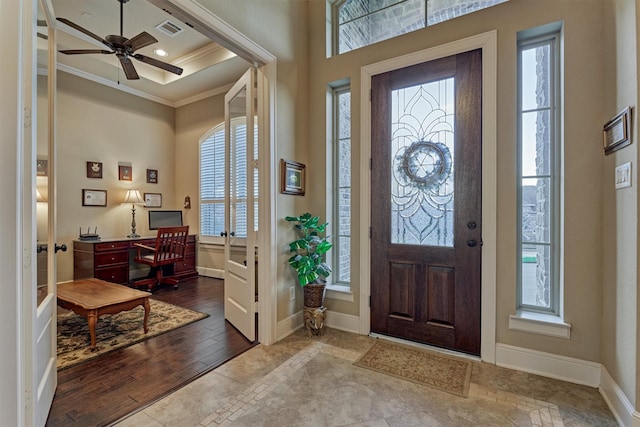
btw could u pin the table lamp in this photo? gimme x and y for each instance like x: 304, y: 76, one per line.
x: 133, y: 197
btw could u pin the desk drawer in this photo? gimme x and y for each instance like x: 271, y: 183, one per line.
x: 109, y: 258
x: 113, y: 246
x: 189, y: 264
x: 118, y: 274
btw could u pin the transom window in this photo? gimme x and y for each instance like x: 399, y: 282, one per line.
x: 359, y: 23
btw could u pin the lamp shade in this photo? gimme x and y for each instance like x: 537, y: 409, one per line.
x: 133, y: 196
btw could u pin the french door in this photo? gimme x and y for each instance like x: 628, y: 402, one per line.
x: 426, y: 202
x: 241, y: 205
x: 41, y: 368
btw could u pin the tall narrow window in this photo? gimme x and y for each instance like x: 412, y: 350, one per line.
x: 212, y: 185
x: 341, y: 221
x: 539, y: 205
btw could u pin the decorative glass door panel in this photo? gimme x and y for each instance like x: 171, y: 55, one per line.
x: 422, y: 146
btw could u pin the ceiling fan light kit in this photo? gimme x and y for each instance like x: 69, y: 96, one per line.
x: 122, y: 47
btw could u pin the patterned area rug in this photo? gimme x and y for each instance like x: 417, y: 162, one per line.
x: 446, y: 373
x: 115, y: 331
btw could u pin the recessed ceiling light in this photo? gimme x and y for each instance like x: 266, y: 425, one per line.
x: 160, y: 52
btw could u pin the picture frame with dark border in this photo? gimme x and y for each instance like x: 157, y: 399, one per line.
x: 616, y: 132
x: 94, y: 198
x: 152, y: 176
x: 42, y: 167
x: 94, y: 170
x: 152, y: 200
x: 292, y: 177
x: 125, y: 173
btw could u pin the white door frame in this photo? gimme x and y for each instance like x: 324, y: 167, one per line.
x: 208, y: 23
x: 488, y: 43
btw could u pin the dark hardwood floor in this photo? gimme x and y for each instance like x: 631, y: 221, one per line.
x: 104, y: 390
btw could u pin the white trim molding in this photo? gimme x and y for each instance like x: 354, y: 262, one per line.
x: 289, y: 325
x: 488, y: 43
x: 210, y: 272
x: 563, y: 368
x: 343, y: 322
x: 540, y: 323
x: 618, y: 403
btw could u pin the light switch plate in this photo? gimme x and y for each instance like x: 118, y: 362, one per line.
x: 623, y: 176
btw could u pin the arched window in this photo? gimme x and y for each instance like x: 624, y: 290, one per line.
x: 212, y: 185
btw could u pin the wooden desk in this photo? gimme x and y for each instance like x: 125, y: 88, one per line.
x: 110, y: 259
x: 92, y: 298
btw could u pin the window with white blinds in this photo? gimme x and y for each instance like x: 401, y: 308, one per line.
x: 213, y: 182
x: 212, y: 185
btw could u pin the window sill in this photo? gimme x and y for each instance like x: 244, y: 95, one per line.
x: 539, y: 323
x: 339, y: 292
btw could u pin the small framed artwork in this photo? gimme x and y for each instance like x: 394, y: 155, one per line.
x: 124, y: 173
x: 42, y: 167
x: 94, y: 197
x: 94, y: 170
x: 152, y: 200
x: 616, y: 132
x: 292, y: 178
x: 152, y: 176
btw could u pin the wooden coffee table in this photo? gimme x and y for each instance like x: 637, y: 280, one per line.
x: 91, y: 298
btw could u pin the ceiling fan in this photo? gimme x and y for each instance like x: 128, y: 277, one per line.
x: 123, y: 48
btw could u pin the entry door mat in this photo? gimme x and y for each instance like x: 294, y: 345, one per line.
x: 428, y: 368
x: 114, y: 331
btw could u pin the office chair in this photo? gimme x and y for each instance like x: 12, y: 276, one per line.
x: 170, y: 248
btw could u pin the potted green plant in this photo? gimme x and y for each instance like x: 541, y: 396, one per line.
x: 308, y: 259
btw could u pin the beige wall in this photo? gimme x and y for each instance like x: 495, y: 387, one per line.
x: 620, y: 207
x: 583, y: 153
x: 281, y: 28
x: 96, y: 123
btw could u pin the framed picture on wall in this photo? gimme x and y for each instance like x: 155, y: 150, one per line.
x: 152, y: 200
x: 42, y: 167
x: 94, y: 197
x: 124, y: 173
x: 616, y: 132
x: 292, y: 178
x: 152, y: 176
x: 94, y: 170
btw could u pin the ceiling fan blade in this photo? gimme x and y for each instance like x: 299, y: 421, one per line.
x: 141, y: 40
x: 151, y: 61
x: 81, y: 51
x: 129, y: 69
x: 85, y: 31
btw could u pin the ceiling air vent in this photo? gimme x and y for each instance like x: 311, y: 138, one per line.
x: 169, y: 28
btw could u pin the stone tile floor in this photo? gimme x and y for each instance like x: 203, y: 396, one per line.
x: 302, y: 381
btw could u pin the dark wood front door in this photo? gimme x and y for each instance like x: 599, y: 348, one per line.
x: 426, y: 202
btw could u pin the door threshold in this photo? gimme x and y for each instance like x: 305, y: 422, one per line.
x: 427, y: 347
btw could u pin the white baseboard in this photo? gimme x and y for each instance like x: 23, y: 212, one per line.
x: 617, y: 401
x: 343, y: 322
x: 549, y: 365
x: 210, y: 272
x: 289, y: 325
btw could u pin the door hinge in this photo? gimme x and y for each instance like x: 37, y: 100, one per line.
x: 370, y: 232
x: 369, y: 300
x: 370, y: 164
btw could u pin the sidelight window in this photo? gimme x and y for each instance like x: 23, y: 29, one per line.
x: 539, y: 165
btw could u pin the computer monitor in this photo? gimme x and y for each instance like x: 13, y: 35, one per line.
x: 164, y: 219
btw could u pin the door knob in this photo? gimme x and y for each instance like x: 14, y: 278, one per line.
x: 62, y: 248
x: 472, y: 242
x: 223, y: 234
x: 232, y: 234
